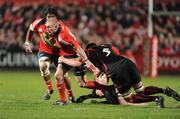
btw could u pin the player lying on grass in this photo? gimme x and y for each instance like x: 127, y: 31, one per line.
x: 124, y: 75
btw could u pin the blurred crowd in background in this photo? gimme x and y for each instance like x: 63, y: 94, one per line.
x: 121, y: 22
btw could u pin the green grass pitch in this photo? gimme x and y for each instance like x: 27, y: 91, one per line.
x: 21, y: 98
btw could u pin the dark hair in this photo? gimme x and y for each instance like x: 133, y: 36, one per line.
x: 51, y: 10
x: 90, y: 45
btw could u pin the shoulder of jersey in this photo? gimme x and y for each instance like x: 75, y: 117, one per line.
x: 105, y: 45
x: 36, y: 21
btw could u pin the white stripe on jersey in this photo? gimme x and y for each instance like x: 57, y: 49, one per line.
x: 62, y: 41
x: 71, y: 33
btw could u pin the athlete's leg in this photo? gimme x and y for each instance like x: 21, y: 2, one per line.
x: 69, y: 88
x: 140, y: 89
x: 95, y: 85
x: 59, y: 76
x: 80, y: 73
x: 88, y: 96
x: 44, y: 63
x: 141, y: 98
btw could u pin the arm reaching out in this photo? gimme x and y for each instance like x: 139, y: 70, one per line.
x: 72, y: 40
x: 124, y: 102
x: 27, y: 42
x: 32, y: 28
x: 74, y: 62
x: 89, y: 64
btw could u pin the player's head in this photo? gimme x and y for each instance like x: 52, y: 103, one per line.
x: 52, y: 25
x: 90, y: 45
x: 51, y: 12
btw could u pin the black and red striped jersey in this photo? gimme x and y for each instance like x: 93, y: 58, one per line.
x: 103, y: 55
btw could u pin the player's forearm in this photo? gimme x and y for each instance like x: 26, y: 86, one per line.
x: 75, y: 62
x: 29, y: 35
x: 81, y: 52
x: 124, y: 102
x: 89, y: 64
x: 137, y: 104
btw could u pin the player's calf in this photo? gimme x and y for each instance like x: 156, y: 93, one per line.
x: 171, y: 93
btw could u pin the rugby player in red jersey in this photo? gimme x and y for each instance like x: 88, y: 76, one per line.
x: 48, y: 52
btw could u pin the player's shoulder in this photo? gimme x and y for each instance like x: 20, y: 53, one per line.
x: 106, y: 45
x: 63, y: 26
x: 36, y: 23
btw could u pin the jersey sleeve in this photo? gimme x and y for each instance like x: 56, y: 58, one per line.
x: 115, y: 50
x: 33, y: 25
x: 71, y: 38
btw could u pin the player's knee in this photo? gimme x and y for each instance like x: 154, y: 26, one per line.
x: 44, y: 68
x: 59, y: 81
x: 125, y: 95
x: 58, y: 76
x: 138, y: 87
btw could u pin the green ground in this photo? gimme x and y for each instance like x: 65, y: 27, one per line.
x: 21, y: 98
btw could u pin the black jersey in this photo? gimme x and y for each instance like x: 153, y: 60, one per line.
x: 102, y: 56
x: 121, y: 70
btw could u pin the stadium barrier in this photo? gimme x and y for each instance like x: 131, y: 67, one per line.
x: 169, y: 62
x: 12, y: 59
x: 18, y: 59
x: 165, y: 63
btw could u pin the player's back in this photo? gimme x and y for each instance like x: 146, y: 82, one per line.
x: 106, y: 54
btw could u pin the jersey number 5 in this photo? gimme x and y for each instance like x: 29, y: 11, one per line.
x: 106, y: 50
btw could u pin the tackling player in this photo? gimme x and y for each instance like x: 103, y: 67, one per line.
x: 125, y: 75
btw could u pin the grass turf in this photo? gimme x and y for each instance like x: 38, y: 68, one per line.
x: 21, y: 98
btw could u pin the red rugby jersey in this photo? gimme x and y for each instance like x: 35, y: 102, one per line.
x: 39, y: 26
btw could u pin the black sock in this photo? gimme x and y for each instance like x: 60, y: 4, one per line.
x: 141, y: 98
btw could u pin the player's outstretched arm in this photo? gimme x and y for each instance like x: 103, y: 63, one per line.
x: 27, y: 42
x: 88, y: 63
x: 124, y: 102
x: 74, y: 62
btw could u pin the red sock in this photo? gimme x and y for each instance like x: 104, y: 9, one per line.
x: 61, y: 88
x: 95, y: 85
x: 48, y: 84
